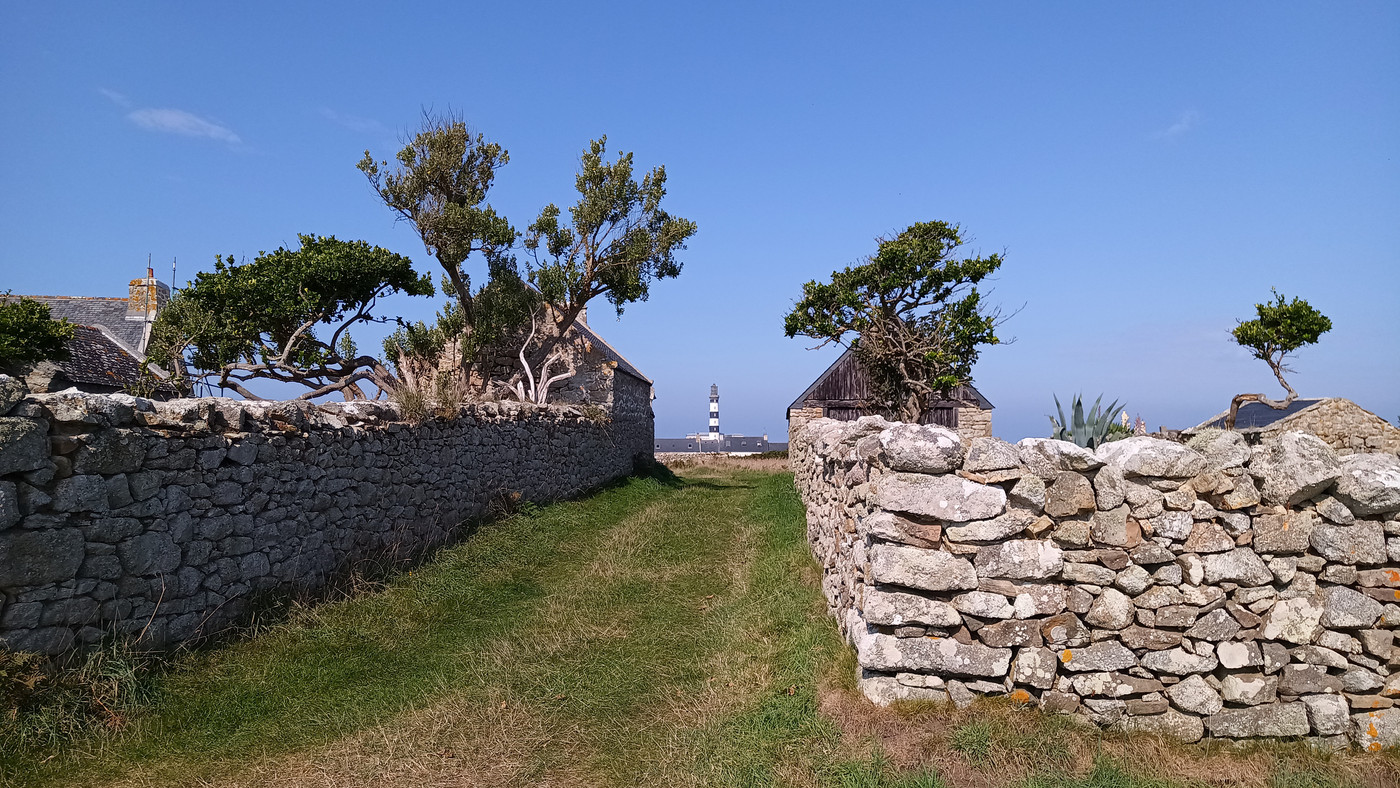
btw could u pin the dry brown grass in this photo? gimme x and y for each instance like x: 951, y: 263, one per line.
x: 1025, y: 742
x: 472, y: 743
x: 682, y: 461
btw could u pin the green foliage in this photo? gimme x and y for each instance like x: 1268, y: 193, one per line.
x: 439, y: 185
x: 1279, y: 328
x: 1086, y: 430
x: 28, y: 334
x: 618, y: 239
x: 259, y: 319
x: 914, y: 310
x: 616, y: 242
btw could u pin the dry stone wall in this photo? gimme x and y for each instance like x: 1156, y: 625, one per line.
x: 168, y: 520
x: 1343, y: 425
x: 1204, y: 590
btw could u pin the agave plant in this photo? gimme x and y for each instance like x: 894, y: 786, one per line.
x: 1087, y: 431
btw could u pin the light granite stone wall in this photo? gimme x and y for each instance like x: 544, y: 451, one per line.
x: 1204, y: 590
x: 169, y: 520
x: 1342, y: 424
x: 974, y: 423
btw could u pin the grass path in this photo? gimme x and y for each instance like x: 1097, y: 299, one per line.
x: 655, y: 634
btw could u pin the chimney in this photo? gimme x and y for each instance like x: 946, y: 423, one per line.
x: 146, y: 297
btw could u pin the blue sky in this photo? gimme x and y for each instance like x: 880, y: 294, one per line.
x: 1149, y: 170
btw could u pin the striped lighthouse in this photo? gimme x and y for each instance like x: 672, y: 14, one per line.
x: 714, y: 411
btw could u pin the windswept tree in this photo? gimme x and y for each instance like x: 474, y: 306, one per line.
x: 29, y: 335
x: 439, y: 184
x: 1280, y: 327
x: 615, y: 242
x: 285, y: 317
x: 911, y: 312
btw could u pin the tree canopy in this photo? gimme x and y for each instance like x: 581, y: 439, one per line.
x: 260, y: 319
x: 439, y: 185
x: 615, y: 242
x: 618, y: 239
x: 1280, y: 327
x: 28, y: 334
x: 911, y: 312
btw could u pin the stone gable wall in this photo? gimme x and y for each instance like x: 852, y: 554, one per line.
x: 1342, y: 424
x: 170, y: 520
x: 1211, y: 589
x: 974, y: 423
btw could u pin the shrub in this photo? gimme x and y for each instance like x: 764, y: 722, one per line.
x: 1089, y: 430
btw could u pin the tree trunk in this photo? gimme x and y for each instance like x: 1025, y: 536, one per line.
x: 1240, y: 399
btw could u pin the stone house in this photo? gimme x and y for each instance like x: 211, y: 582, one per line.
x: 109, y: 340
x: 600, y: 371
x: 1340, y: 423
x: 604, y: 377
x: 843, y: 392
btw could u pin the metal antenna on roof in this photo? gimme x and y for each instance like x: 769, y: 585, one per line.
x: 173, y: 262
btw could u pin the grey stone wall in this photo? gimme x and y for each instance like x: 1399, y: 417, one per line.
x: 1343, y: 425
x: 1211, y: 589
x: 168, y: 520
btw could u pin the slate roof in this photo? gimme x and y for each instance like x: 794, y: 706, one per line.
x: 95, y: 360
x: 109, y: 313
x: 1255, y: 416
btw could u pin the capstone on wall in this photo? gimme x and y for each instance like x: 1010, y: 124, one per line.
x: 170, y: 519
x: 1204, y: 590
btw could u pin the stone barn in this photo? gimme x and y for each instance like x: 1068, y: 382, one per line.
x: 843, y: 392
x: 1340, y: 423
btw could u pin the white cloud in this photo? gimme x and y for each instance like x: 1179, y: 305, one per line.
x: 354, y: 122
x: 1185, y: 123
x: 119, y: 99
x: 178, y: 121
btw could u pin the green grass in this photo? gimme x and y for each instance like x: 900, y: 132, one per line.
x: 974, y: 741
x: 661, y: 632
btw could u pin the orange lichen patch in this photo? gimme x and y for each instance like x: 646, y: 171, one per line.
x: 1392, y: 575
x: 1020, y: 696
x: 1066, y: 655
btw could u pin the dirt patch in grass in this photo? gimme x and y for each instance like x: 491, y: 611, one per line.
x: 996, y: 743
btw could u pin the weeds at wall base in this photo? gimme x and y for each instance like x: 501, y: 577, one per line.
x: 45, y: 703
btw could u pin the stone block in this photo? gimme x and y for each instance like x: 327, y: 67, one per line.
x: 1271, y: 720
x: 948, y: 498
x: 930, y: 570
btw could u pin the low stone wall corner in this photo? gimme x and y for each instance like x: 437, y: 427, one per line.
x: 1209, y: 589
